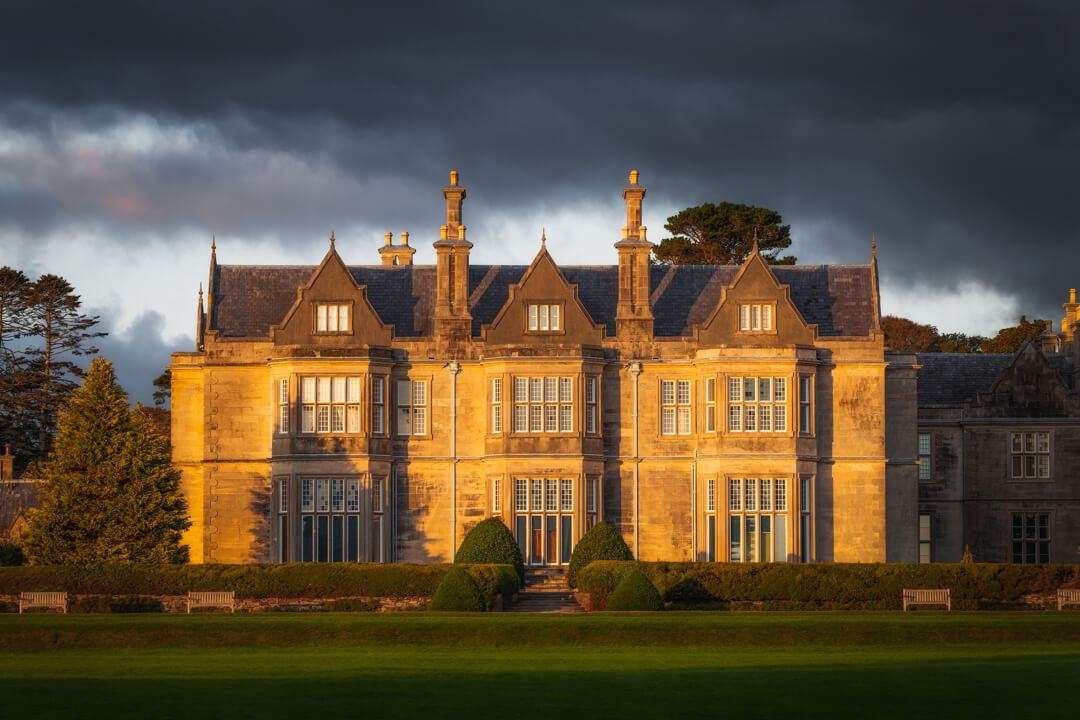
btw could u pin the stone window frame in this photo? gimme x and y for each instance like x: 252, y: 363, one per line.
x: 310, y: 511
x: 564, y: 401
x: 1036, y: 540
x: 730, y: 405
x: 425, y: 381
x: 678, y: 407
x: 543, y: 317
x: 926, y: 460
x: 739, y: 489
x: 745, y: 317
x: 352, y: 382
x: 338, y: 305
x: 1036, y: 454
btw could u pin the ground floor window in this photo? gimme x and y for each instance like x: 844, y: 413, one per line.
x: 543, y: 519
x: 330, y: 527
x: 1031, y: 537
x: 757, y: 520
x: 592, y: 503
x: 924, y: 538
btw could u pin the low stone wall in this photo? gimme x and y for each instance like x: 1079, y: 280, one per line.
x: 178, y: 603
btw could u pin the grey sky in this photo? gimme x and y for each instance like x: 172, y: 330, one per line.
x: 129, y: 132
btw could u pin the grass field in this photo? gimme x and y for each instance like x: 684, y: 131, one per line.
x: 848, y: 665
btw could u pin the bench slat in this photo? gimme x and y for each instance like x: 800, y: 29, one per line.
x: 212, y: 599
x: 929, y: 596
x: 43, y: 599
x: 1068, y: 596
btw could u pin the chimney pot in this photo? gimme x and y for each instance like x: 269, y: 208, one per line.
x: 442, y: 232
x: 633, y: 177
x: 461, y: 232
x: 453, y: 177
x: 1072, y: 295
x: 405, y: 239
x: 389, y: 238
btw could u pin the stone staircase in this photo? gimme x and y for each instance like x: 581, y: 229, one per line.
x: 545, y: 591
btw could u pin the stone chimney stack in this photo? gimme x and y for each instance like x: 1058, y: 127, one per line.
x: 633, y: 315
x: 7, y: 464
x: 396, y: 254
x: 453, y: 323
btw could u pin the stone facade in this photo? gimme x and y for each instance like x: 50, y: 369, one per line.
x: 379, y: 411
x: 1000, y: 445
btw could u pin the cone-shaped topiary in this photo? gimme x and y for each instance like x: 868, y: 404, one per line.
x: 490, y: 543
x: 635, y: 592
x: 458, y: 591
x: 600, y: 543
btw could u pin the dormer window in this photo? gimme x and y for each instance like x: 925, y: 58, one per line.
x: 756, y: 317
x: 544, y: 318
x: 331, y: 317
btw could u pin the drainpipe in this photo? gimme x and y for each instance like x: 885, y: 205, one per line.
x: 635, y: 371
x: 454, y: 368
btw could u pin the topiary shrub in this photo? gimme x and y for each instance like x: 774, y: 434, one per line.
x: 602, y: 542
x: 490, y: 543
x: 458, y: 591
x: 635, y: 592
x: 495, y: 580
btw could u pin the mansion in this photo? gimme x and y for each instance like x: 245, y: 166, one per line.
x: 378, y: 411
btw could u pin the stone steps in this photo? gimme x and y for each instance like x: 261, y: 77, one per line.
x: 545, y: 591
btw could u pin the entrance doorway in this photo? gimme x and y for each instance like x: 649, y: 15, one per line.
x: 543, y: 520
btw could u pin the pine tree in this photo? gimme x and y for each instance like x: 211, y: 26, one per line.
x: 110, y: 492
x: 18, y: 426
x: 63, y: 332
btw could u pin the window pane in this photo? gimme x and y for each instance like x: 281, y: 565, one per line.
x: 308, y: 389
x: 744, y: 317
x: 322, y: 495
x: 710, y: 390
x: 308, y: 424
x: 343, y: 318
x: 521, y: 389
x: 734, y: 495
x: 1029, y: 527
x: 352, y: 495
x: 521, y: 418
x: 322, y: 538
x: 1044, y: 552
x: 536, y: 500
x: 779, y: 418
x: 734, y: 389
x: 322, y: 390
x: 781, y: 495
x: 750, y: 418
x: 750, y: 494
x: 566, y: 390
x: 337, y: 494
x: 1044, y: 526
x: 1044, y: 442
x: 555, y: 317
x: 496, y: 418
x: 550, y: 418
x: 320, y: 318
x: 710, y: 495
x: 1017, y: 443
x: 496, y: 390
x: 307, y: 531
x: 307, y: 497
x: 566, y: 495
x: 766, y: 317
x: 337, y: 418
x: 283, y: 391
x: 551, y: 389
x: 419, y: 392
x: 419, y: 421
x: 377, y: 390
x: 353, y: 539
x: 765, y: 503
x: 751, y: 539
x: 322, y: 418
x: 1029, y: 442
x: 755, y: 317
x: 536, y: 389
x: 735, y: 537
x: 1044, y: 466
x: 404, y: 421
x: 924, y: 443
x: 749, y: 389
x: 566, y: 418
x: 532, y: 317
x: 734, y: 418
x: 404, y: 393
x: 352, y: 417
x: 684, y: 392
x: 1018, y: 526
x: 536, y: 418
x: 337, y: 390
x: 552, y: 495
x: 590, y: 390
x: 543, y: 317
x: 764, y: 418
x: 765, y: 389
x: 684, y: 421
x: 710, y: 418
x: 667, y: 421
x: 331, y: 318
x: 1017, y: 466
x: 924, y: 528
x: 521, y: 495
x: 353, y: 395
x: 779, y: 389
x: 780, y: 539
x: 1029, y: 466
x: 667, y: 392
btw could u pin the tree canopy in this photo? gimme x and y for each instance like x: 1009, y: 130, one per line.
x: 723, y: 235
x: 109, y: 492
x: 1009, y: 339
x: 909, y: 336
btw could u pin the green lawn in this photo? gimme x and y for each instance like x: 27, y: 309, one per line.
x: 846, y: 665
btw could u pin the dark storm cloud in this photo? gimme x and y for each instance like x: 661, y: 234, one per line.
x: 139, y: 353
x: 950, y: 130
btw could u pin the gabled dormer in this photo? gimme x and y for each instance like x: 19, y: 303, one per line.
x: 332, y: 310
x: 1029, y: 386
x: 543, y: 309
x: 755, y: 309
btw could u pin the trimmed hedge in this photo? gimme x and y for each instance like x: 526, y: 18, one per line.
x: 458, y: 591
x: 279, y: 580
x: 123, y: 604
x: 601, y: 542
x: 635, y: 592
x: 490, y: 543
x: 839, y: 586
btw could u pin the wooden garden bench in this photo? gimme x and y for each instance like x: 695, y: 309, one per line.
x: 211, y: 599
x: 1067, y: 596
x: 57, y: 600
x: 928, y: 597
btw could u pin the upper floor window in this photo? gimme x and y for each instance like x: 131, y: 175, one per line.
x: 592, y: 402
x: 710, y: 404
x: 496, y: 405
x: 1030, y: 455
x: 378, y: 405
x: 545, y: 318
x: 330, y: 404
x: 756, y: 316
x: 331, y: 317
x: 675, y: 407
x: 925, y: 538
x: 805, y: 413
x: 412, y: 402
x: 283, y: 405
x: 757, y: 404
x: 924, y: 457
x: 543, y: 404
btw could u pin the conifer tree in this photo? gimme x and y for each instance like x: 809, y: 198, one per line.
x: 18, y: 426
x: 110, y: 492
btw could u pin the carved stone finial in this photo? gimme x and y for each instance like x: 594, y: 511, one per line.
x: 331, y: 238
x: 200, y: 293
x: 543, y: 237
x: 442, y: 232
x: 754, y: 250
x: 213, y: 243
x: 873, y: 246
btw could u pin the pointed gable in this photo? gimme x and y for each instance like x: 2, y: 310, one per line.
x: 333, y: 286
x: 543, y: 286
x: 756, y: 287
x: 1028, y: 386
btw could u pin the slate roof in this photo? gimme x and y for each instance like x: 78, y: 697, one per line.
x: 951, y: 379
x: 248, y: 299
